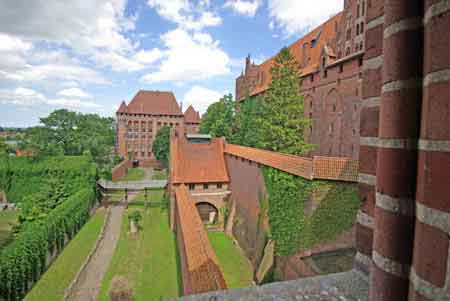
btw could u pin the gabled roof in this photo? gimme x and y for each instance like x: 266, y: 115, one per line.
x: 154, y: 103
x: 122, y: 108
x: 314, y: 42
x: 191, y: 115
x: 197, y: 163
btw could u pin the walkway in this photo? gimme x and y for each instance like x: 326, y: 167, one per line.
x: 90, y: 279
x: 134, y: 185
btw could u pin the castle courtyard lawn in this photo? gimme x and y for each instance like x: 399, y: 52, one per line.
x: 134, y: 174
x: 58, y: 277
x: 7, y: 220
x: 148, y: 260
x: 235, y: 267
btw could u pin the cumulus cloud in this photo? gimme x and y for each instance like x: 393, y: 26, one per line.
x: 74, y: 92
x: 200, y: 98
x: 187, y: 14
x: 299, y: 16
x: 189, y: 57
x: 242, y: 7
x: 28, y: 97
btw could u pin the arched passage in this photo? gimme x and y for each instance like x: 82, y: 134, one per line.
x: 208, y: 212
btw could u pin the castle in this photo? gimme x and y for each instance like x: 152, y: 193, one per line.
x: 140, y: 120
x: 330, y: 59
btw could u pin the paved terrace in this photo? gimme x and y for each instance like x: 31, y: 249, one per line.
x: 318, y: 167
x: 132, y: 185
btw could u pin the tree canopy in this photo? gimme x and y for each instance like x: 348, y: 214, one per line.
x: 283, y: 122
x: 219, y: 117
x: 161, y: 146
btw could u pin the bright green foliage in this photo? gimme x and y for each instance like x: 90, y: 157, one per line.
x: 7, y: 220
x: 237, y: 270
x: 283, y: 122
x: 161, y: 146
x: 49, y: 214
x: 219, y: 118
x: 68, y: 133
x: 148, y: 261
x: 247, y: 123
x: 291, y: 229
x: 136, y: 217
x: 57, y: 278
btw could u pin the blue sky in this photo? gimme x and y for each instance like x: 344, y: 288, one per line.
x: 89, y: 55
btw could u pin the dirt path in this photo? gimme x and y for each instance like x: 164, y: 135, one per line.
x: 89, y: 281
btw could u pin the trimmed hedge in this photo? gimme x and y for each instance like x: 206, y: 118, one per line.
x: 291, y: 229
x: 69, y: 182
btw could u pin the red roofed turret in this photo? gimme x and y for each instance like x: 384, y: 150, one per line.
x: 122, y: 108
x: 191, y: 115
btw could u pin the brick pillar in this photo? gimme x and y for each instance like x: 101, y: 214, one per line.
x: 430, y: 277
x: 398, y: 134
x: 371, y: 90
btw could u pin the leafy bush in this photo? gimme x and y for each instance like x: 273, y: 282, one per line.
x: 161, y: 146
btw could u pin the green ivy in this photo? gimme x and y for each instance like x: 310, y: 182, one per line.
x: 291, y: 229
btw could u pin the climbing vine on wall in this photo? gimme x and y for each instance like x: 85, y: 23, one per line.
x: 290, y: 227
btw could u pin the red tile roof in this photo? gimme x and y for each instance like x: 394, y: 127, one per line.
x: 326, y: 168
x: 191, y: 115
x: 321, y: 35
x: 197, y: 163
x: 335, y: 168
x: 154, y: 103
x: 122, y: 108
x: 291, y: 164
x: 203, y: 270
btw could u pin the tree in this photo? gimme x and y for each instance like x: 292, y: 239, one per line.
x: 161, y: 146
x: 246, y: 127
x: 283, y: 122
x: 219, y: 118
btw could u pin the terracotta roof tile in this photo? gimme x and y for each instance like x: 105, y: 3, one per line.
x: 335, y: 168
x: 197, y: 163
x: 122, y: 108
x: 322, y: 35
x: 191, y: 115
x: 154, y: 103
x: 200, y: 260
x: 291, y: 164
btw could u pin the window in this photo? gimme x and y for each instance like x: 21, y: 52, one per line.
x: 341, y: 68
x: 361, y: 28
x: 219, y: 185
x: 363, y: 8
x: 205, y: 186
x: 357, y: 29
x: 325, y: 73
x: 191, y: 186
x: 142, y: 154
x: 334, y: 107
x: 312, y: 77
x: 360, y: 61
x: 357, y: 11
x: 347, y: 52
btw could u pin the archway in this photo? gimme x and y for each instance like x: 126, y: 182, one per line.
x: 208, y: 212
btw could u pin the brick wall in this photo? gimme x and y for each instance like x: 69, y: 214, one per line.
x: 200, y: 270
x: 120, y: 170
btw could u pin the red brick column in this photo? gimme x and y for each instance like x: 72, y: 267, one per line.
x: 430, y: 277
x: 397, y: 149
x: 371, y: 93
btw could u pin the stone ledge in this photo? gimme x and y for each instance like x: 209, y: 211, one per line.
x: 349, y: 286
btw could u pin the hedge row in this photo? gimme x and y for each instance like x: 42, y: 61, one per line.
x: 25, y: 258
x: 290, y: 227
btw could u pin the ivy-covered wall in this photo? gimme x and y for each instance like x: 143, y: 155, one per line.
x: 292, y: 229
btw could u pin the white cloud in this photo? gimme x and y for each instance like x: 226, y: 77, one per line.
x: 189, y: 57
x: 185, y: 13
x: 200, y: 98
x: 246, y: 8
x: 148, y: 56
x: 28, y: 97
x: 9, y: 43
x: 74, y: 92
x: 299, y: 16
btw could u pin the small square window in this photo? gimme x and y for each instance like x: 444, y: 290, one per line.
x: 205, y: 186
x: 219, y: 185
x: 191, y: 186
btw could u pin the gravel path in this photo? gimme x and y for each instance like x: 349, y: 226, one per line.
x: 89, y: 281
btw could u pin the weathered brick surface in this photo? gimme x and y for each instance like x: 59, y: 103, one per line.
x: 120, y: 170
x: 386, y: 286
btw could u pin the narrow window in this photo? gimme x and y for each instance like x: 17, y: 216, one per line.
x: 205, y: 186
x: 341, y: 68
x: 191, y: 186
x: 219, y: 185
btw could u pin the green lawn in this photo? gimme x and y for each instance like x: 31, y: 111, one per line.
x: 7, y: 220
x: 58, y: 277
x: 236, y: 268
x: 116, y: 196
x: 159, y: 175
x: 134, y: 174
x: 148, y: 260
